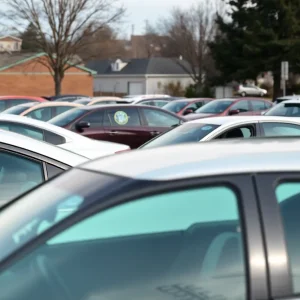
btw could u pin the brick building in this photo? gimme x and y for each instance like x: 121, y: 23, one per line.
x: 26, y: 74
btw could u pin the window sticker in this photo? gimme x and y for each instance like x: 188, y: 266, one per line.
x: 121, y: 118
x: 207, y: 128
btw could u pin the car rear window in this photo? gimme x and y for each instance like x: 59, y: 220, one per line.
x: 176, y: 107
x: 285, y: 110
x: 186, y: 133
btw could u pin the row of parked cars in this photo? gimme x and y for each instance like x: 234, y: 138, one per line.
x: 211, y: 220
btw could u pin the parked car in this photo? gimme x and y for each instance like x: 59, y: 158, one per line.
x: 101, y: 101
x: 26, y: 163
x: 131, y: 98
x: 183, y: 107
x: 251, y: 90
x: 231, y: 106
x: 10, y: 101
x: 46, y: 111
x: 289, y: 108
x: 65, y: 96
x: 60, y: 137
x: 158, y: 102
x: 131, y: 125
x: 129, y: 227
x: 285, y: 98
x: 226, y: 128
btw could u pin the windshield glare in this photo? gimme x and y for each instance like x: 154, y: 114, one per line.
x: 285, y: 110
x: 45, y: 207
x: 214, y: 107
x: 175, y: 107
x: 67, y: 117
x: 186, y: 133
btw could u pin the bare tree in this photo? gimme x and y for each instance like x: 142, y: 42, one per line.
x: 190, y: 32
x: 62, y: 26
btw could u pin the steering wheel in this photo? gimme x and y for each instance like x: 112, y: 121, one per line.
x: 52, y: 278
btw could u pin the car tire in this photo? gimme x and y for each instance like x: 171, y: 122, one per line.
x: 243, y: 94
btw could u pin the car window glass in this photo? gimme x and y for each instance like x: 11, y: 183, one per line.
x: 61, y: 109
x: 159, y: 118
x: 2, y: 106
x: 258, y: 105
x: 122, y: 117
x: 151, y: 248
x: 160, y: 103
x: 14, y: 102
x: 42, y: 114
x: 95, y: 118
x: 53, y: 138
x: 268, y: 104
x: 242, y: 106
x: 285, y: 110
x: 280, y: 129
x: 288, y: 197
x: 105, y: 102
x: 23, y: 129
x: 53, y: 171
x: 238, y: 132
x: 18, y: 174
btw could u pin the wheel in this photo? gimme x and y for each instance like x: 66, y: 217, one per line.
x: 243, y: 94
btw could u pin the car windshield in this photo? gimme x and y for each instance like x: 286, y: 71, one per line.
x: 175, y: 107
x: 214, y: 107
x: 186, y: 133
x: 285, y: 110
x: 83, y: 101
x: 60, y: 199
x: 16, y: 110
x: 67, y: 117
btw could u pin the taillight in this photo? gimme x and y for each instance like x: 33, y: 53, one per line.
x: 121, y: 151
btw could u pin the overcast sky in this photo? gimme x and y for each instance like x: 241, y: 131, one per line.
x: 140, y: 10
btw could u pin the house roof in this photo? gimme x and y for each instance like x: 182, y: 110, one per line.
x: 9, y: 60
x: 142, y: 66
x: 10, y: 37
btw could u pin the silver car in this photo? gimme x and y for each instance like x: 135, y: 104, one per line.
x: 216, y: 220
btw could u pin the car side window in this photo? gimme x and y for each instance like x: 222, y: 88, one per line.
x: 246, y: 131
x: 61, y: 109
x: 122, y: 117
x: 157, y: 118
x: 258, y: 105
x: 14, y: 102
x: 280, y: 129
x: 95, y: 118
x: 3, y: 106
x: 18, y: 174
x: 184, y: 243
x: 53, y: 138
x: 23, y: 129
x: 42, y: 114
x: 242, y: 106
x: 288, y: 197
x: 268, y: 105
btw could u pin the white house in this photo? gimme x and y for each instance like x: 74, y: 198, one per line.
x: 138, y: 76
x: 10, y: 43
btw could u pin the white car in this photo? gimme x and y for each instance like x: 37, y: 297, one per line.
x: 208, y: 129
x: 289, y: 108
x: 60, y: 137
x: 131, y: 98
x: 251, y: 90
x: 26, y: 163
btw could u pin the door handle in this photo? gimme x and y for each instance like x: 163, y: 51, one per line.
x: 154, y: 132
x: 112, y: 132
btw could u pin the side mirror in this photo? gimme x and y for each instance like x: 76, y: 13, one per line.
x: 82, y: 125
x: 234, y: 112
x: 188, y: 111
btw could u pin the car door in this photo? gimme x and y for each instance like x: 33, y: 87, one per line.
x: 280, y: 206
x: 270, y: 129
x: 158, y: 121
x: 124, y: 125
x: 96, y: 128
x: 198, y: 239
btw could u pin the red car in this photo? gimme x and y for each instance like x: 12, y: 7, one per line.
x: 10, y: 101
x: 132, y: 125
x: 231, y: 106
x: 183, y: 107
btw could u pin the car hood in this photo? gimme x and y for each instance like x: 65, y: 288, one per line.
x: 94, y: 149
x: 198, y: 116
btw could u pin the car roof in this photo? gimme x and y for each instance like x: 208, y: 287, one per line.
x: 294, y: 101
x: 9, y: 97
x: 190, y: 99
x: 42, y: 148
x: 238, y: 119
x: 29, y: 104
x: 288, y: 97
x: 234, y: 156
x: 67, y: 134
x: 94, y: 107
x: 56, y: 103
